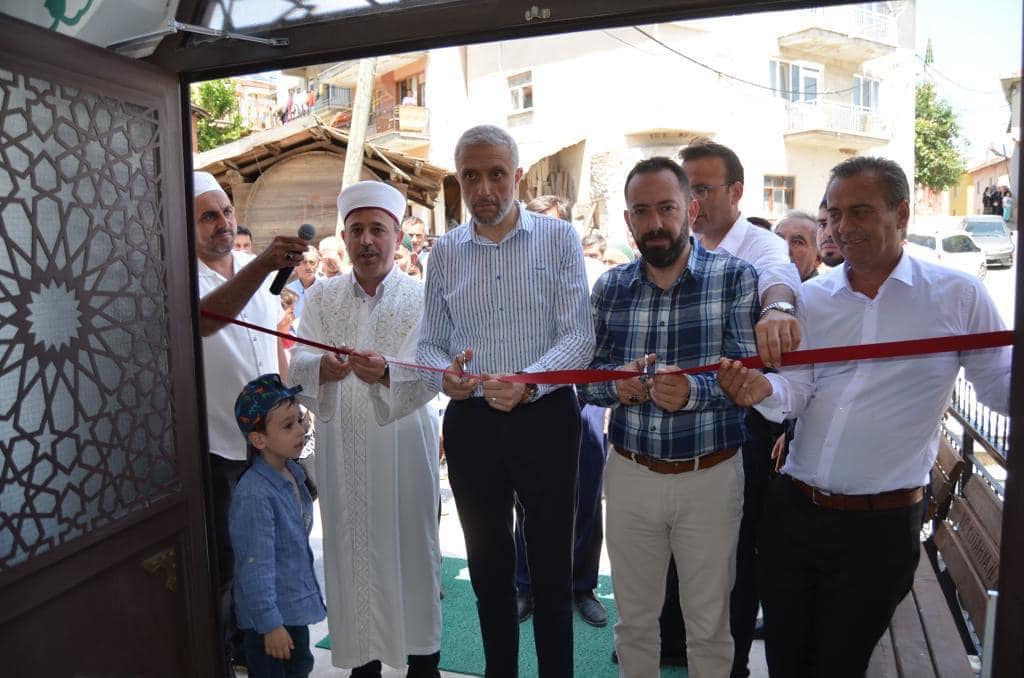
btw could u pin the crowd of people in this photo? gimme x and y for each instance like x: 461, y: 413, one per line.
x: 796, y: 490
x: 998, y: 200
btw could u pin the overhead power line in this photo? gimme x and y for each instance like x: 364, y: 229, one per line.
x: 723, y: 74
x: 629, y: 44
x: 930, y: 68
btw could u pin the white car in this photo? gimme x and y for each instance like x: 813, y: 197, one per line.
x: 941, y: 239
x: 991, y: 234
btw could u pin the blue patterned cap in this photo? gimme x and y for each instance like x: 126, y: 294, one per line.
x: 258, y: 397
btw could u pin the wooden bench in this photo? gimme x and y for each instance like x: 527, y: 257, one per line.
x: 923, y: 638
x: 968, y: 541
x: 946, y: 473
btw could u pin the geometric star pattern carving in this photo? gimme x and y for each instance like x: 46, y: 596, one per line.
x: 86, y: 420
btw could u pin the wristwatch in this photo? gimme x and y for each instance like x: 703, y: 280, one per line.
x: 529, y: 394
x: 783, y: 306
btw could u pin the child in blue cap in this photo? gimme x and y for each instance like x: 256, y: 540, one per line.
x: 276, y: 592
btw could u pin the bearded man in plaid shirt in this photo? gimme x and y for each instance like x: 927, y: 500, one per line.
x: 675, y: 484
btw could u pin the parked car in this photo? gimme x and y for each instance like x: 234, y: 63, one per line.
x: 944, y: 241
x: 992, y: 236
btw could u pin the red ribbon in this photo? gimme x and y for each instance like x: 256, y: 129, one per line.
x: 888, y: 349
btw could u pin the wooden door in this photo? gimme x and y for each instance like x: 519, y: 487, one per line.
x: 103, y: 555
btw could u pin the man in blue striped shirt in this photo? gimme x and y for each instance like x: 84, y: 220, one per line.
x: 675, y: 485
x: 507, y: 292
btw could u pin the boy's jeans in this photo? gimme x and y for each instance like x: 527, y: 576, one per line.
x: 262, y: 665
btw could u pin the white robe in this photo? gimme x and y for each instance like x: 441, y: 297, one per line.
x: 377, y: 472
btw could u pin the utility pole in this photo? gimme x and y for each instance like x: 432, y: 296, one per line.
x: 357, y: 128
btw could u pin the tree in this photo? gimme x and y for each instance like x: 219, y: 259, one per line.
x: 218, y: 97
x: 936, y: 137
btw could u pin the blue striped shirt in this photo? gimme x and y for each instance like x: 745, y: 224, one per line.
x: 707, y: 313
x: 520, y: 304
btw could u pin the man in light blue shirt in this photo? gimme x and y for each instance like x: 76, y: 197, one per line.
x: 507, y: 292
x: 305, y: 276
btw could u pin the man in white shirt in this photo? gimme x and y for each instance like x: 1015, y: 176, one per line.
x: 840, y: 536
x: 233, y: 284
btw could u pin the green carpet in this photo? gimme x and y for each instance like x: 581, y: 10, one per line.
x: 462, y: 651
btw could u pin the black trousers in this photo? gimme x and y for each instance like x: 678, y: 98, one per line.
x: 743, y: 603
x: 224, y: 475
x: 589, y: 527
x: 819, y: 566
x: 531, y: 453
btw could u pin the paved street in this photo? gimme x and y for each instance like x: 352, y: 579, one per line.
x: 1001, y: 284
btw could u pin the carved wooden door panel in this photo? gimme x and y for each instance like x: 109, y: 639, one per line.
x: 103, y: 557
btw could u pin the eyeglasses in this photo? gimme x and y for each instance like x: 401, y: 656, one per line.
x: 701, y: 191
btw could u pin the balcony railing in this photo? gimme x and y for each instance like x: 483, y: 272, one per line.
x: 981, y: 435
x: 333, y: 100
x: 834, y: 117
x: 856, y: 21
x: 401, y: 118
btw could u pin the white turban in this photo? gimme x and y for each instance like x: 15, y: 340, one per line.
x: 203, y: 182
x: 371, y: 194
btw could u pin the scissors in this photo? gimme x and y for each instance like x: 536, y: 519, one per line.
x: 648, y: 370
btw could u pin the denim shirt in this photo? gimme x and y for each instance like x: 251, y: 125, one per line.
x: 274, y: 580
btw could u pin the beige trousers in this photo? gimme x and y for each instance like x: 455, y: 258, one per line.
x: 694, y: 516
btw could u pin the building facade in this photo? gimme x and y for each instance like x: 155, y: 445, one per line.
x: 808, y: 89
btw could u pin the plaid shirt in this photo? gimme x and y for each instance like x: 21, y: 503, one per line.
x: 708, y: 312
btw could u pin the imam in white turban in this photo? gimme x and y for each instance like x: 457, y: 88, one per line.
x: 371, y: 194
x: 203, y: 182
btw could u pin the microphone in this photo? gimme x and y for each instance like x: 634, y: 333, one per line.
x: 306, y: 232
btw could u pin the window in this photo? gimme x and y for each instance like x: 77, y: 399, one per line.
x: 922, y: 240
x: 339, y: 96
x: 520, y: 87
x: 865, y: 93
x: 956, y: 244
x: 412, y: 91
x: 983, y: 228
x: 797, y: 81
x: 778, y: 194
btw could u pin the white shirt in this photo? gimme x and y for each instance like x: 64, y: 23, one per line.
x: 872, y: 426
x: 765, y: 251
x: 370, y: 302
x: 594, y: 270
x: 233, y: 356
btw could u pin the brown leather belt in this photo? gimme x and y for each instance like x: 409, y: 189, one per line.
x: 671, y: 467
x: 860, y: 502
